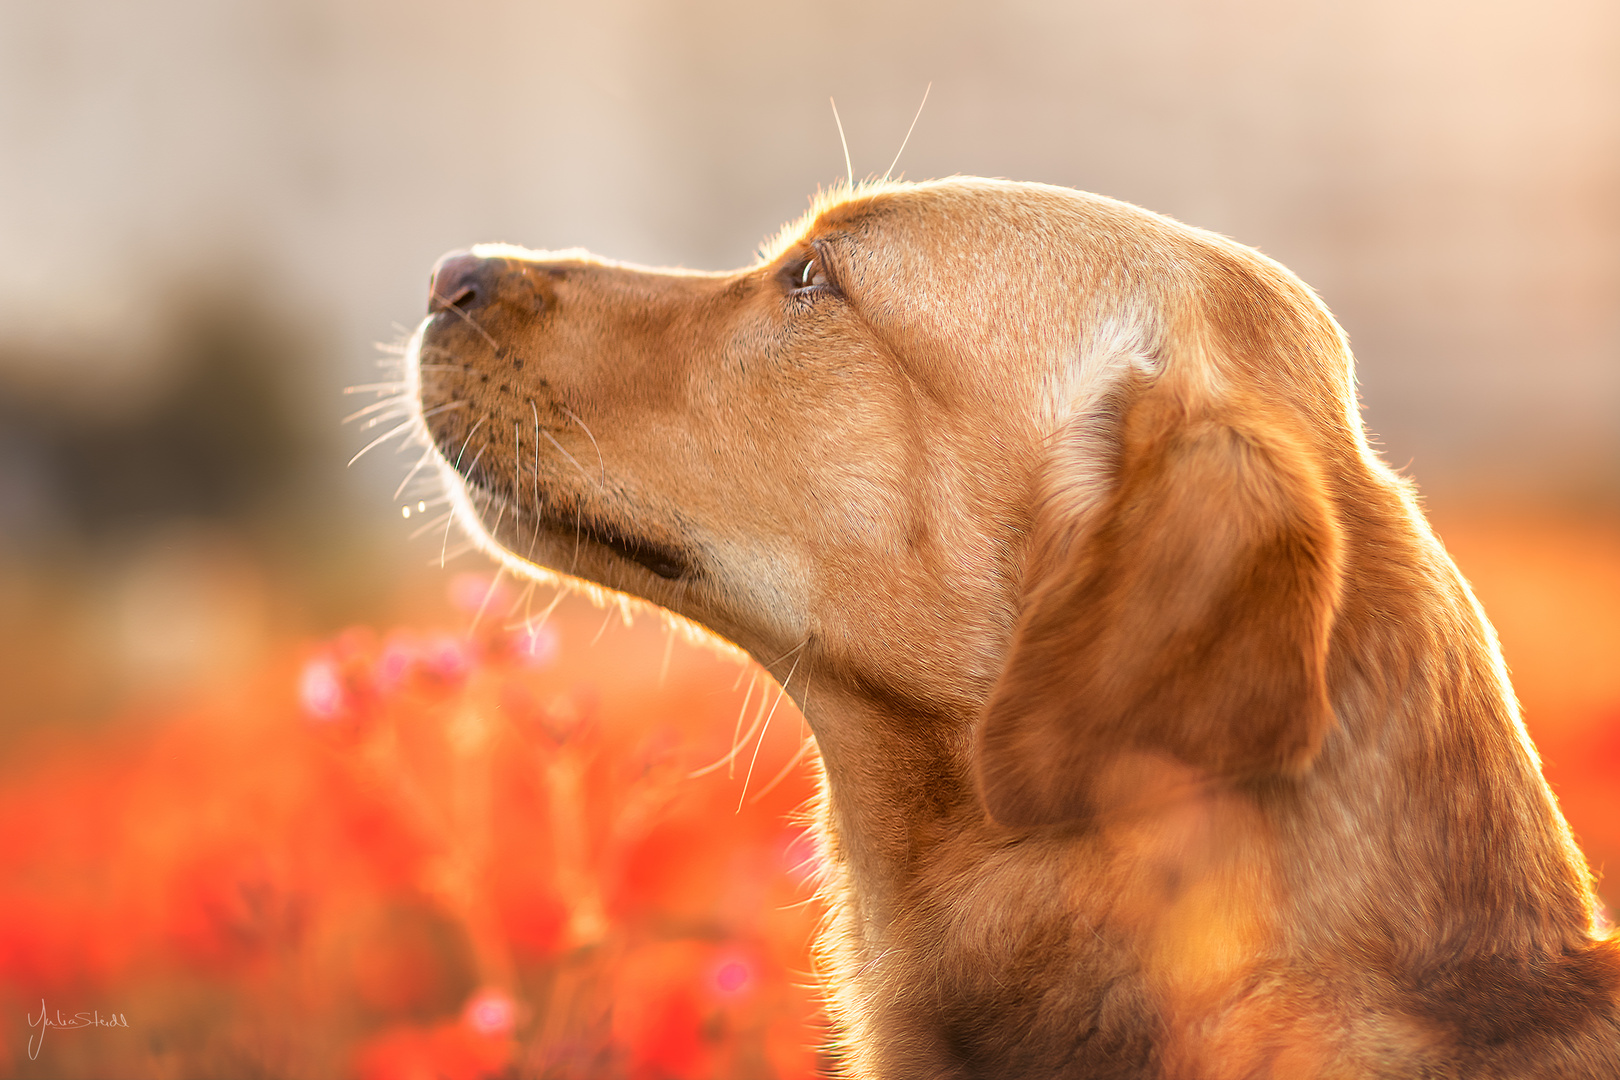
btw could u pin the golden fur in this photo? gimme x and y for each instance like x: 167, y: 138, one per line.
x: 1159, y: 735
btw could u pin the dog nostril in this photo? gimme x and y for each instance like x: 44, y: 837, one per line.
x: 459, y: 281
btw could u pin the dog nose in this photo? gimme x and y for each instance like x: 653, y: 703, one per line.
x: 460, y: 280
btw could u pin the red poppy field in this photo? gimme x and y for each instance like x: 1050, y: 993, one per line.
x: 423, y: 854
x: 565, y: 849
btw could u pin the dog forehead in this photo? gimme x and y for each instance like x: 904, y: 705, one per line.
x: 918, y: 210
x: 995, y: 284
x: 954, y: 197
x: 1010, y: 257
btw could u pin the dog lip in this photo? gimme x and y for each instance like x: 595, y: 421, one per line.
x: 664, y: 561
x: 667, y: 562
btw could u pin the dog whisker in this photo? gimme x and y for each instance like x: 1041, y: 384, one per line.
x: 473, y: 464
x: 429, y: 526
x: 849, y: 170
x: 466, y: 318
x: 435, y: 411
x: 909, y: 130
x: 669, y: 651
x: 738, y: 741
x: 400, y: 430
x: 600, y: 463
x: 468, y: 439
x: 600, y: 630
x: 386, y: 403
x: 535, y: 538
x: 382, y: 418
x: 571, y: 459
x: 494, y: 583
x: 517, y: 463
x: 427, y: 455
x: 532, y: 624
x: 781, y: 693
x: 444, y: 545
x: 805, y: 746
x: 500, y: 512
x: 463, y: 547
x: 805, y: 742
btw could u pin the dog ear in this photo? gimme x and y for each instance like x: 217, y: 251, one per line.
x: 1178, y: 631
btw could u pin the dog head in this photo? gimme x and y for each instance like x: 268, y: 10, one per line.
x: 1004, y: 458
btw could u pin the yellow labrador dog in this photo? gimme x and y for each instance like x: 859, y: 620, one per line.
x: 1160, y: 737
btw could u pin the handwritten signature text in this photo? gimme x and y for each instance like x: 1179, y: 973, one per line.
x: 45, y: 1021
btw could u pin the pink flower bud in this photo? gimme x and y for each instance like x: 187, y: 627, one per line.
x: 732, y: 977
x: 490, y: 1012
x: 445, y: 658
x: 320, y: 689
x: 536, y: 646
x: 474, y: 592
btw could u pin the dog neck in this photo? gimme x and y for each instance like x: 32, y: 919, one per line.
x: 896, y: 785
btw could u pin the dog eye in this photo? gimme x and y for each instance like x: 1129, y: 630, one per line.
x: 806, y: 275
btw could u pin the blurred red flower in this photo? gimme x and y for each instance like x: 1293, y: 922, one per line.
x: 501, y: 852
x: 420, y: 854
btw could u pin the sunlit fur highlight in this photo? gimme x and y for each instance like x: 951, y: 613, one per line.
x: 470, y: 520
x: 1159, y: 737
x: 834, y: 194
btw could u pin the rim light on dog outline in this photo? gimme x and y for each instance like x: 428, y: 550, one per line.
x: 466, y: 515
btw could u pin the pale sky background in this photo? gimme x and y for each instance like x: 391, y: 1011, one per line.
x: 1445, y: 173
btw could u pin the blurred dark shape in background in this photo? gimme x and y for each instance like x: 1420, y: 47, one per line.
x: 157, y: 533
x: 1445, y: 173
x: 217, y: 436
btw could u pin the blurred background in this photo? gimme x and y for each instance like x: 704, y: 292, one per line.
x: 212, y: 212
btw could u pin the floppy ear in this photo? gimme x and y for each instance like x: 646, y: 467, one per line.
x: 1184, y: 621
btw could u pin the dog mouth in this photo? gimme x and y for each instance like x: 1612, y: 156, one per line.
x: 574, y: 522
x: 665, y: 562
x: 509, y: 517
